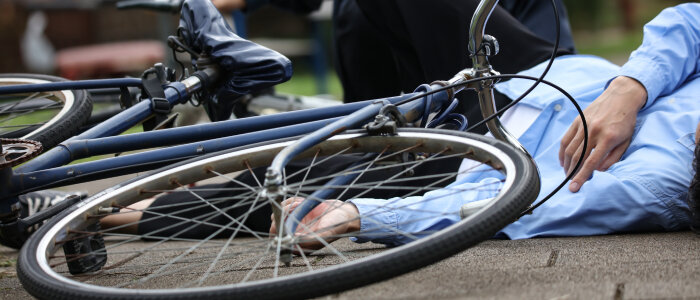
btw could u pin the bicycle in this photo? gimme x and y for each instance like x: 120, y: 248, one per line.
x: 109, y: 101
x: 71, y: 256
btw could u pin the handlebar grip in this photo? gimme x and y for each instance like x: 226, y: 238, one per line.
x: 171, y: 6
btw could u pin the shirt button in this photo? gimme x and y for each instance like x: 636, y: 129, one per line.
x: 557, y: 107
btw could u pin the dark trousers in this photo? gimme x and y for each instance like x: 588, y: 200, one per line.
x: 384, y: 48
x: 182, y: 206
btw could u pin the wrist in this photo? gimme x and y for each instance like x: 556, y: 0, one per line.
x: 354, y: 214
x: 632, y: 90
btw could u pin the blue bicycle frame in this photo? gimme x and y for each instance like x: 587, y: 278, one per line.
x: 48, y: 170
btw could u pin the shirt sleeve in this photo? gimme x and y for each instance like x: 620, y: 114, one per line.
x: 610, y: 202
x: 670, y: 51
x: 397, y: 221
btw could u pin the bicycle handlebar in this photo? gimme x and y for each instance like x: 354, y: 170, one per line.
x: 171, y: 6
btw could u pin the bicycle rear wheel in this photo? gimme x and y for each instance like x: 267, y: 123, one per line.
x: 237, y: 258
x: 46, y: 117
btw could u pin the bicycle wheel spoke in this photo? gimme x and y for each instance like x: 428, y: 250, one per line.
x: 257, y: 264
x: 13, y: 105
x: 306, y: 175
x: 234, y: 180
x: 26, y: 112
x: 158, y: 272
x: 172, y: 237
x: 321, y: 240
x: 207, y: 226
x: 378, y: 168
x: 325, y: 159
x: 174, y: 215
x: 252, y: 174
x: 362, y: 173
x: 303, y: 256
x: 233, y: 220
x: 228, y: 242
x: 30, y: 110
x: 21, y: 125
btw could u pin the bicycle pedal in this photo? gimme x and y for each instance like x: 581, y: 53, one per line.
x: 86, y: 253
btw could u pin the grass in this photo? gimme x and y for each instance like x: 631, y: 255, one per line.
x: 27, y: 119
x: 304, y: 83
x: 598, y: 26
x: 613, y: 45
x: 8, y: 262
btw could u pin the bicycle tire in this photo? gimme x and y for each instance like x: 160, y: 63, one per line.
x: 42, y: 280
x: 59, y: 125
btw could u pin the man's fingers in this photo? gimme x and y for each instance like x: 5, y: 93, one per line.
x: 273, y: 228
x: 566, y: 140
x: 589, y: 165
x: 573, y: 152
x: 288, y: 205
x: 614, y: 156
x: 289, y: 200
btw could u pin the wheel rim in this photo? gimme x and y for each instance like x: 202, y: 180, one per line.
x: 139, y: 190
x: 23, y: 116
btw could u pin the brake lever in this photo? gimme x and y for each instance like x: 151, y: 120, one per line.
x: 171, y: 6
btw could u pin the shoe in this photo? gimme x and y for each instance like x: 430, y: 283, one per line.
x: 35, y: 202
x: 30, y: 204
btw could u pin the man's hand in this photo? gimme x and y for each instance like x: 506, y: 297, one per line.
x: 328, y: 220
x: 611, y: 119
x: 228, y: 5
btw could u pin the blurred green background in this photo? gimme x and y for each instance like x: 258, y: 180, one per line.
x: 611, y: 29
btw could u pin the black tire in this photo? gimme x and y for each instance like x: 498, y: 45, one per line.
x: 521, y: 186
x: 59, y: 123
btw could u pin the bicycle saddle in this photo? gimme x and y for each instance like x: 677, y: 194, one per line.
x: 246, y: 66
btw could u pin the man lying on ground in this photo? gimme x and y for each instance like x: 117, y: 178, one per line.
x: 646, y: 190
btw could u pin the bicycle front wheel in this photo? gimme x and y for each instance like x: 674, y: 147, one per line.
x: 206, y: 233
x: 46, y: 117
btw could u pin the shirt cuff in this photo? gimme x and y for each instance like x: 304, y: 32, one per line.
x: 378, y: 223
x: 648, y: 73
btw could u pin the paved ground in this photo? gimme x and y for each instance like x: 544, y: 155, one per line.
x: 632, y: 266
x: 629, y: 266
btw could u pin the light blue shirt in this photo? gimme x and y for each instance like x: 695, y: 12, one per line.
x: 645, y: 191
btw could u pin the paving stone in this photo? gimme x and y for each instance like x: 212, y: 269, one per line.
x: 630, y: 266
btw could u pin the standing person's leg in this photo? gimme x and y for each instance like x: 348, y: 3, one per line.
x: 429, y: 41
x: 538, y: 17
x: 363, y: 61
x: 437, y: 32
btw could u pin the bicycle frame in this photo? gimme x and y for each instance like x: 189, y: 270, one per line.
x: 47, y: 170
